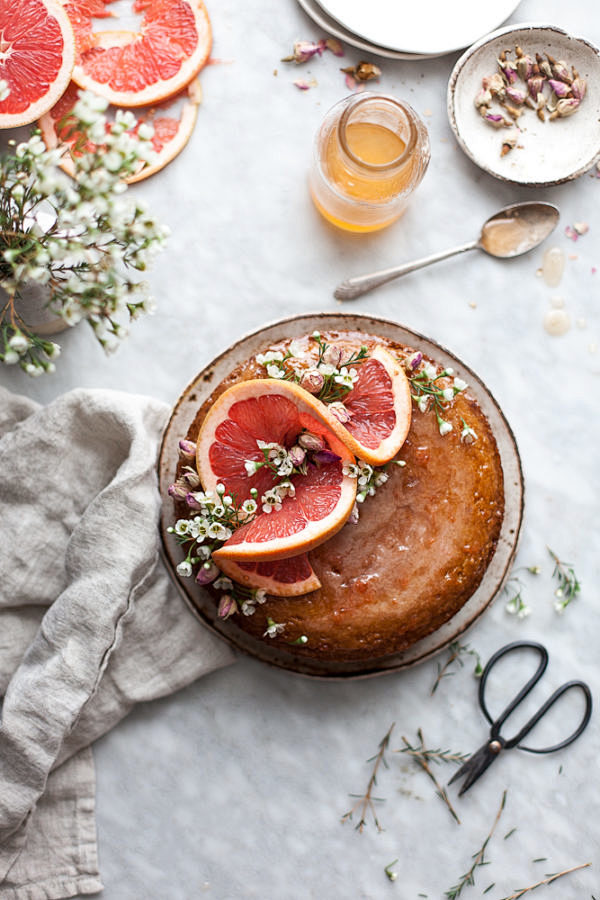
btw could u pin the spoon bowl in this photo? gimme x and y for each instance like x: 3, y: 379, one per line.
x: 510, y: 232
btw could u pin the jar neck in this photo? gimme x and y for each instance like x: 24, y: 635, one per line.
x: 375, y: 111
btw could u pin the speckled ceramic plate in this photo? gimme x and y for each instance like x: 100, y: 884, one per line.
x: 200, y: 601
x: 549, y: 152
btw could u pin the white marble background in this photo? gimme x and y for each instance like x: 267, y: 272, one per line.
x: 235, y: 787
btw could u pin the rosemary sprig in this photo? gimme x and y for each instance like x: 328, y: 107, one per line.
x: 423, y: 756
x: 366, y: 801
x: 456, y: 651
x: 548, y: 880
x: 479, y: 859
x: 568, y: 584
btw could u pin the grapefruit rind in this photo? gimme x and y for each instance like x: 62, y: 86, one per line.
x: 58, y: 85
x: 312, y: 415
x: 93, y: 60
x: 253, y: 575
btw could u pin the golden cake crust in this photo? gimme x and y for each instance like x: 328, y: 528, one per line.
x: 419, y: 550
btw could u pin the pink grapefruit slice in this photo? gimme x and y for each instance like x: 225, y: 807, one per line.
x: 278, y: 577
x: 37, y: 54
x: 276, y: 412
x: 140, y: 68
x: 171, y: 132
x: 380, y: 408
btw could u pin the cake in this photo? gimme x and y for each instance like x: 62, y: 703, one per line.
x: 421, y: 544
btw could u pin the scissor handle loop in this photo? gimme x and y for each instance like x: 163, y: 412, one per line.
x: 497, y: 723
x: 509, y: 648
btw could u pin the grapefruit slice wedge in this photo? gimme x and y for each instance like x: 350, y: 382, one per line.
x: 171, y: 132
x: 37, y: 54
x: 264, y: 410
x: 278, y: 577
x: 380, y: 408
x: 140, y: 68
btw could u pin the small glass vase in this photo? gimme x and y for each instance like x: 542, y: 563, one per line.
x: 370, y: 154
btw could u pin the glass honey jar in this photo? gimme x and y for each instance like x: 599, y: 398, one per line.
x: 370, y: 154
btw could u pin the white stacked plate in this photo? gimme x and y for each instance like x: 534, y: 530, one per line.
x: 408, y: 31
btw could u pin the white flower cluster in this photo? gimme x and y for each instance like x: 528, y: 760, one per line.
x: 272, y: 500
x: 80, y: 236
x: 368, y: 478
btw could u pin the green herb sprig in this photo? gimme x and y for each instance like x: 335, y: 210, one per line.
x: 549, y: 879
x: 479, y: 859
x: 423, y: 756
x: 456, y: 652
x: 366, y: 801
x: 569, y: 585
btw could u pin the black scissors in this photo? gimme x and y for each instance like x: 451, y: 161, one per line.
x: 479, y: 761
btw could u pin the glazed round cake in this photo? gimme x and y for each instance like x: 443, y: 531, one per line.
x: 421, y: 544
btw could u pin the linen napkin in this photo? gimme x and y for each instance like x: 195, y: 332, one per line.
x: 89, y: 622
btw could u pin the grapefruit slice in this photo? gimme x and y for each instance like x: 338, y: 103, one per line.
x: 278, y: 577
x: 171, y: 132
x: 264, y: 410
x: 380, y: 408
x: 37, y: 54
x: 140, y: 68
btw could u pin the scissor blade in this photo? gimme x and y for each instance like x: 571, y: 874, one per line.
x: 474, y: 767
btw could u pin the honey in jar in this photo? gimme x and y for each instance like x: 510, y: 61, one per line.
x: 370, y: 154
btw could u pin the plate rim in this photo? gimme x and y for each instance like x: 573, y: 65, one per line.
x: 305, y: 666
x: 451, y: 94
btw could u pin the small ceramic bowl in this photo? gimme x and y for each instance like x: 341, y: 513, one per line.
x: 546, y: 153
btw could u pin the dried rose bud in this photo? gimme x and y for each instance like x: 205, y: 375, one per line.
x: 540, y: 102
x: 497, y: 121
x: 332, y: 356
x: 509, y: 142
x: 227, y: 606
x: 339, y: 411
x: 304, y: 85
x: 207, y: 573
x: 565, y: 108
x: 325, y: 457
x: 483, y: 98
x: 535, y: 85
x: 559, y: 87
x: 191, y: 478
x: 543, y: 65
x: 187, y: 449
x: 335, y: 46
x: 509, y: 70
x: 179, y: 490
x: 578, y: 88
x: 363, y: 71
x: 494, y: 84
x: 414, y: 361
x: 512, y: 110
x: 516, y: 95
x: 305, y: 50
x: 192, y: 501
x: 311, y: 441
x: 524, y: 66
x: 297, y: 454
x: 312, y: 381
x: 561, y: 70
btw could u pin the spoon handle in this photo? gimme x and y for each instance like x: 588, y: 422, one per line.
x: 356, y: 287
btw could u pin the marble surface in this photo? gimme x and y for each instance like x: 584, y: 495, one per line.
x: 235, y: 787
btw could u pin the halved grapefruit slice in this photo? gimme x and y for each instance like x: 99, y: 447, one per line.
x: 139, y: 68
x: 264, y: 410
x: 37, y: 54
x: 380, y: 408
x: 278, y: 577
x: 171, y: 132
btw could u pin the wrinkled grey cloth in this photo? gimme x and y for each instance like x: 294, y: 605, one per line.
x: 89, y: 621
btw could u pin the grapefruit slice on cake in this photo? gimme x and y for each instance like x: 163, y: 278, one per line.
x: 379, y: 406
x: 288, y: 577
x: 274, y: 412
x: 37, y: 54
x: 172, y: 129
x: 140, y: 68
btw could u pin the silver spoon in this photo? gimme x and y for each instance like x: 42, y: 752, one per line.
x: 514, y: 230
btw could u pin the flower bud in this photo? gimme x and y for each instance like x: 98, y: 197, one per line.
x: 332, y: 356
x: 325, y: 457
x: 414, y: 361
x: 192, y: 501
x: 312, y: 381
x: 509, y: 70
x: 561, y: 70
x: 187, y: 449
x: 543, y: 65
x: 494, y: 84
x: 524, y: 66
x: 191, y: 478
x: 496, y: 120
x: 559, y: 87
x: 311, y: 441
x: 483, y: 98
x: 227, y: 606
x: 207, y: 573
x: 297, y: 454
x: 340, y: 412
x: 516, y: 95
x: 565, y: 108
x: 578, y: 88
x: 535, y: 85
x: 179, y: 490
x: 304, y: 50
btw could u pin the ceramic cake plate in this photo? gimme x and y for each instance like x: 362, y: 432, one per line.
x: 199, y: 600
